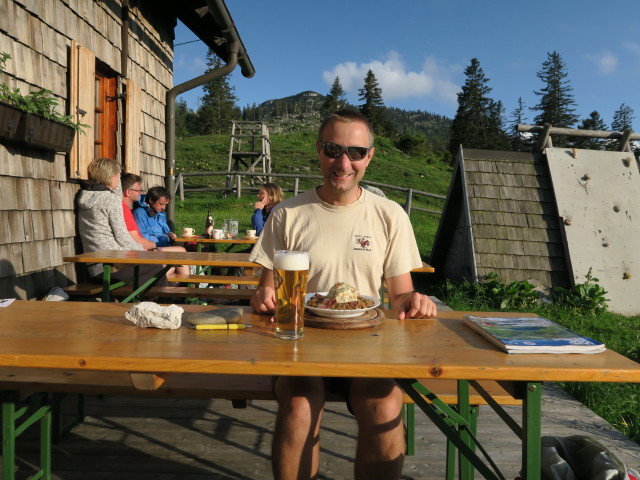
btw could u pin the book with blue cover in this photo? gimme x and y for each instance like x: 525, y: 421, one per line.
x: 532, y: 335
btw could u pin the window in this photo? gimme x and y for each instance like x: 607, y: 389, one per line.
x: 105, y: 121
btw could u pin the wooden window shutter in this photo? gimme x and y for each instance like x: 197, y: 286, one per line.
x: 133, y: 128
x: 82, y: 69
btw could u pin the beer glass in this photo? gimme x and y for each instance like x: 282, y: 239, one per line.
x: 290, y: 273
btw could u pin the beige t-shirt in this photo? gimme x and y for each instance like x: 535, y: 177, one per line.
x: 359, y: 244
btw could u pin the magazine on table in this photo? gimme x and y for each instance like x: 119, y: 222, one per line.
x: 532, y: 335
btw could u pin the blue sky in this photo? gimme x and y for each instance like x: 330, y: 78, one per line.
x: 418, y: 50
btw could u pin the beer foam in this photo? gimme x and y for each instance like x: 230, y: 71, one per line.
x: 291, y: 261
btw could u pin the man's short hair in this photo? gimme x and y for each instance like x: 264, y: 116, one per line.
x: 347, y: 115
x: 156, y: 193
x: 128, y: 180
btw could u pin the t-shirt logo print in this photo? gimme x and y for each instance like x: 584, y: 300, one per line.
x: 362, y: 242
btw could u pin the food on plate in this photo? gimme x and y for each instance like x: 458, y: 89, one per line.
x: 341, y: 296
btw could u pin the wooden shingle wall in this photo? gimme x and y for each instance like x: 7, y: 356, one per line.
x: 513, y: 216
x: 37, y: 220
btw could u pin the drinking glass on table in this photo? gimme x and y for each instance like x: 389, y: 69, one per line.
x: 233, y: 228
x: 225, y: 228
x: 290, y: 274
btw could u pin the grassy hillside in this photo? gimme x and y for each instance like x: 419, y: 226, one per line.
x: 294, y: 152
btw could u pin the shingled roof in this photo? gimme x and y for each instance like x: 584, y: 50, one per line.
x: 500, y: 216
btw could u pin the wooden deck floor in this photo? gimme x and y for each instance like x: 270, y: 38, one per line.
x: 135, y: 438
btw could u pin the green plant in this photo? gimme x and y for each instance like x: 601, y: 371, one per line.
x: 40, y: 102
x: 491, y: 293
x: 588, y: 297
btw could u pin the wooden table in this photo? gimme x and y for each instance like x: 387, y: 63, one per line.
x: 97, y: 337
x: 200, y: 240
x: 109, y: 258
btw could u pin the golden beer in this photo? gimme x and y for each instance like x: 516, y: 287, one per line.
x: 290, y: 274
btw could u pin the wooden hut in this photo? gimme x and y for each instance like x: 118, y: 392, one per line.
x: 109, y: 64
x: 500, y: 217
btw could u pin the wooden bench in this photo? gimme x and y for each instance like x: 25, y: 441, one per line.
x: 215, y: 279
x: 237, y: 388
x: 93, y: 290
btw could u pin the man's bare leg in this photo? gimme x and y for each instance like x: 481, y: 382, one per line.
x: 295, y: 453
x: 377, y: 405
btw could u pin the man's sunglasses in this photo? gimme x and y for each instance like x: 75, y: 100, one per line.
x: 333, y: 150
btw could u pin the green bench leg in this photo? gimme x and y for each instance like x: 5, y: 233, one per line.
x: 12, y: 429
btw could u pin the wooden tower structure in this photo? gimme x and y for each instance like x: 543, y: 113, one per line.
x: 249, y: 151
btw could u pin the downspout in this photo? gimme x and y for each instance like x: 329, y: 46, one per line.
x: 170, y: 116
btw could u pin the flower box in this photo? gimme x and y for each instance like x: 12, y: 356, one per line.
x: 9, y: 120
x: 41, y: 132
x: 34, y: 130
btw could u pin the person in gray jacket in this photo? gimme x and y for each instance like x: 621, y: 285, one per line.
x: 101, y: 222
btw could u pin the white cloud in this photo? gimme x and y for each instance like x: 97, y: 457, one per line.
x: 189, y: 64
x: 605, y: 61
x: 396, y: 81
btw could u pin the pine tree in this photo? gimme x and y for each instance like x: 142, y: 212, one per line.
x: 518, y: 141
x: 219, y: 101
x: 373, y: 107
x: 622, y: 120
x: 478, y: 120
x: 186, y: 120
x: 594, y: 122
x: 557, y: 104
x: 336, y: 99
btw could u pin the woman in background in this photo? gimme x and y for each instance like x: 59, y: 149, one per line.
x: 269, y: 196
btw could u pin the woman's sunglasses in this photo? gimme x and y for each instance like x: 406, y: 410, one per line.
x: 333, y: 150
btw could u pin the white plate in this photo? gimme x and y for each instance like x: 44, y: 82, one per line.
x: 328, y: 312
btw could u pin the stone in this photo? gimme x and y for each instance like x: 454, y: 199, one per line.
x: 150, y: 314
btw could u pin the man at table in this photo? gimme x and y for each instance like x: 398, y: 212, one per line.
x: 131, y: 190
x: 359, y: 238
x: 151, y: 217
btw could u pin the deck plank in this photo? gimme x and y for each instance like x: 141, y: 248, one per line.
x: 193, y: 439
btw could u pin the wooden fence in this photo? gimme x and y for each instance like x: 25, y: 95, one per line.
x: 237, y: 187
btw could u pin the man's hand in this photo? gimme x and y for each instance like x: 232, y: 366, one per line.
x: 264, y: 300
x: 172, y: 236
x: 417, y: 305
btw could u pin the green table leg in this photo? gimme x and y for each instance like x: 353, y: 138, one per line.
x: 532, y: 430
x: 106, y: 282
x: 8, y: 438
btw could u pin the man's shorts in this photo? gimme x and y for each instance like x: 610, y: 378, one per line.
x: 333, y: 385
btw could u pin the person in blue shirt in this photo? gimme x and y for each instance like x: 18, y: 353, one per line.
x: 269, y: 196
x: 151, y: 217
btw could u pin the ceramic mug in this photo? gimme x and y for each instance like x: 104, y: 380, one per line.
x: 217, y: 234
x: 251, y: 233
x: 188, y: 232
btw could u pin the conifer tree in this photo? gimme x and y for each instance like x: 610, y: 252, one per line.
x: 594, y: 122
x: 622, y: 120
x: 518, y: 142
x: 218, y: 107
x: 557, y: 104
x: 478, y: 120
x: 373, y: 106
x: 336, y: 99
x: 186, y: 120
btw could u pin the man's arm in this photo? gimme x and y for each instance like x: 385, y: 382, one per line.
x: 147, y: 244
x: 409, y: 303
x: 264, y: 298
